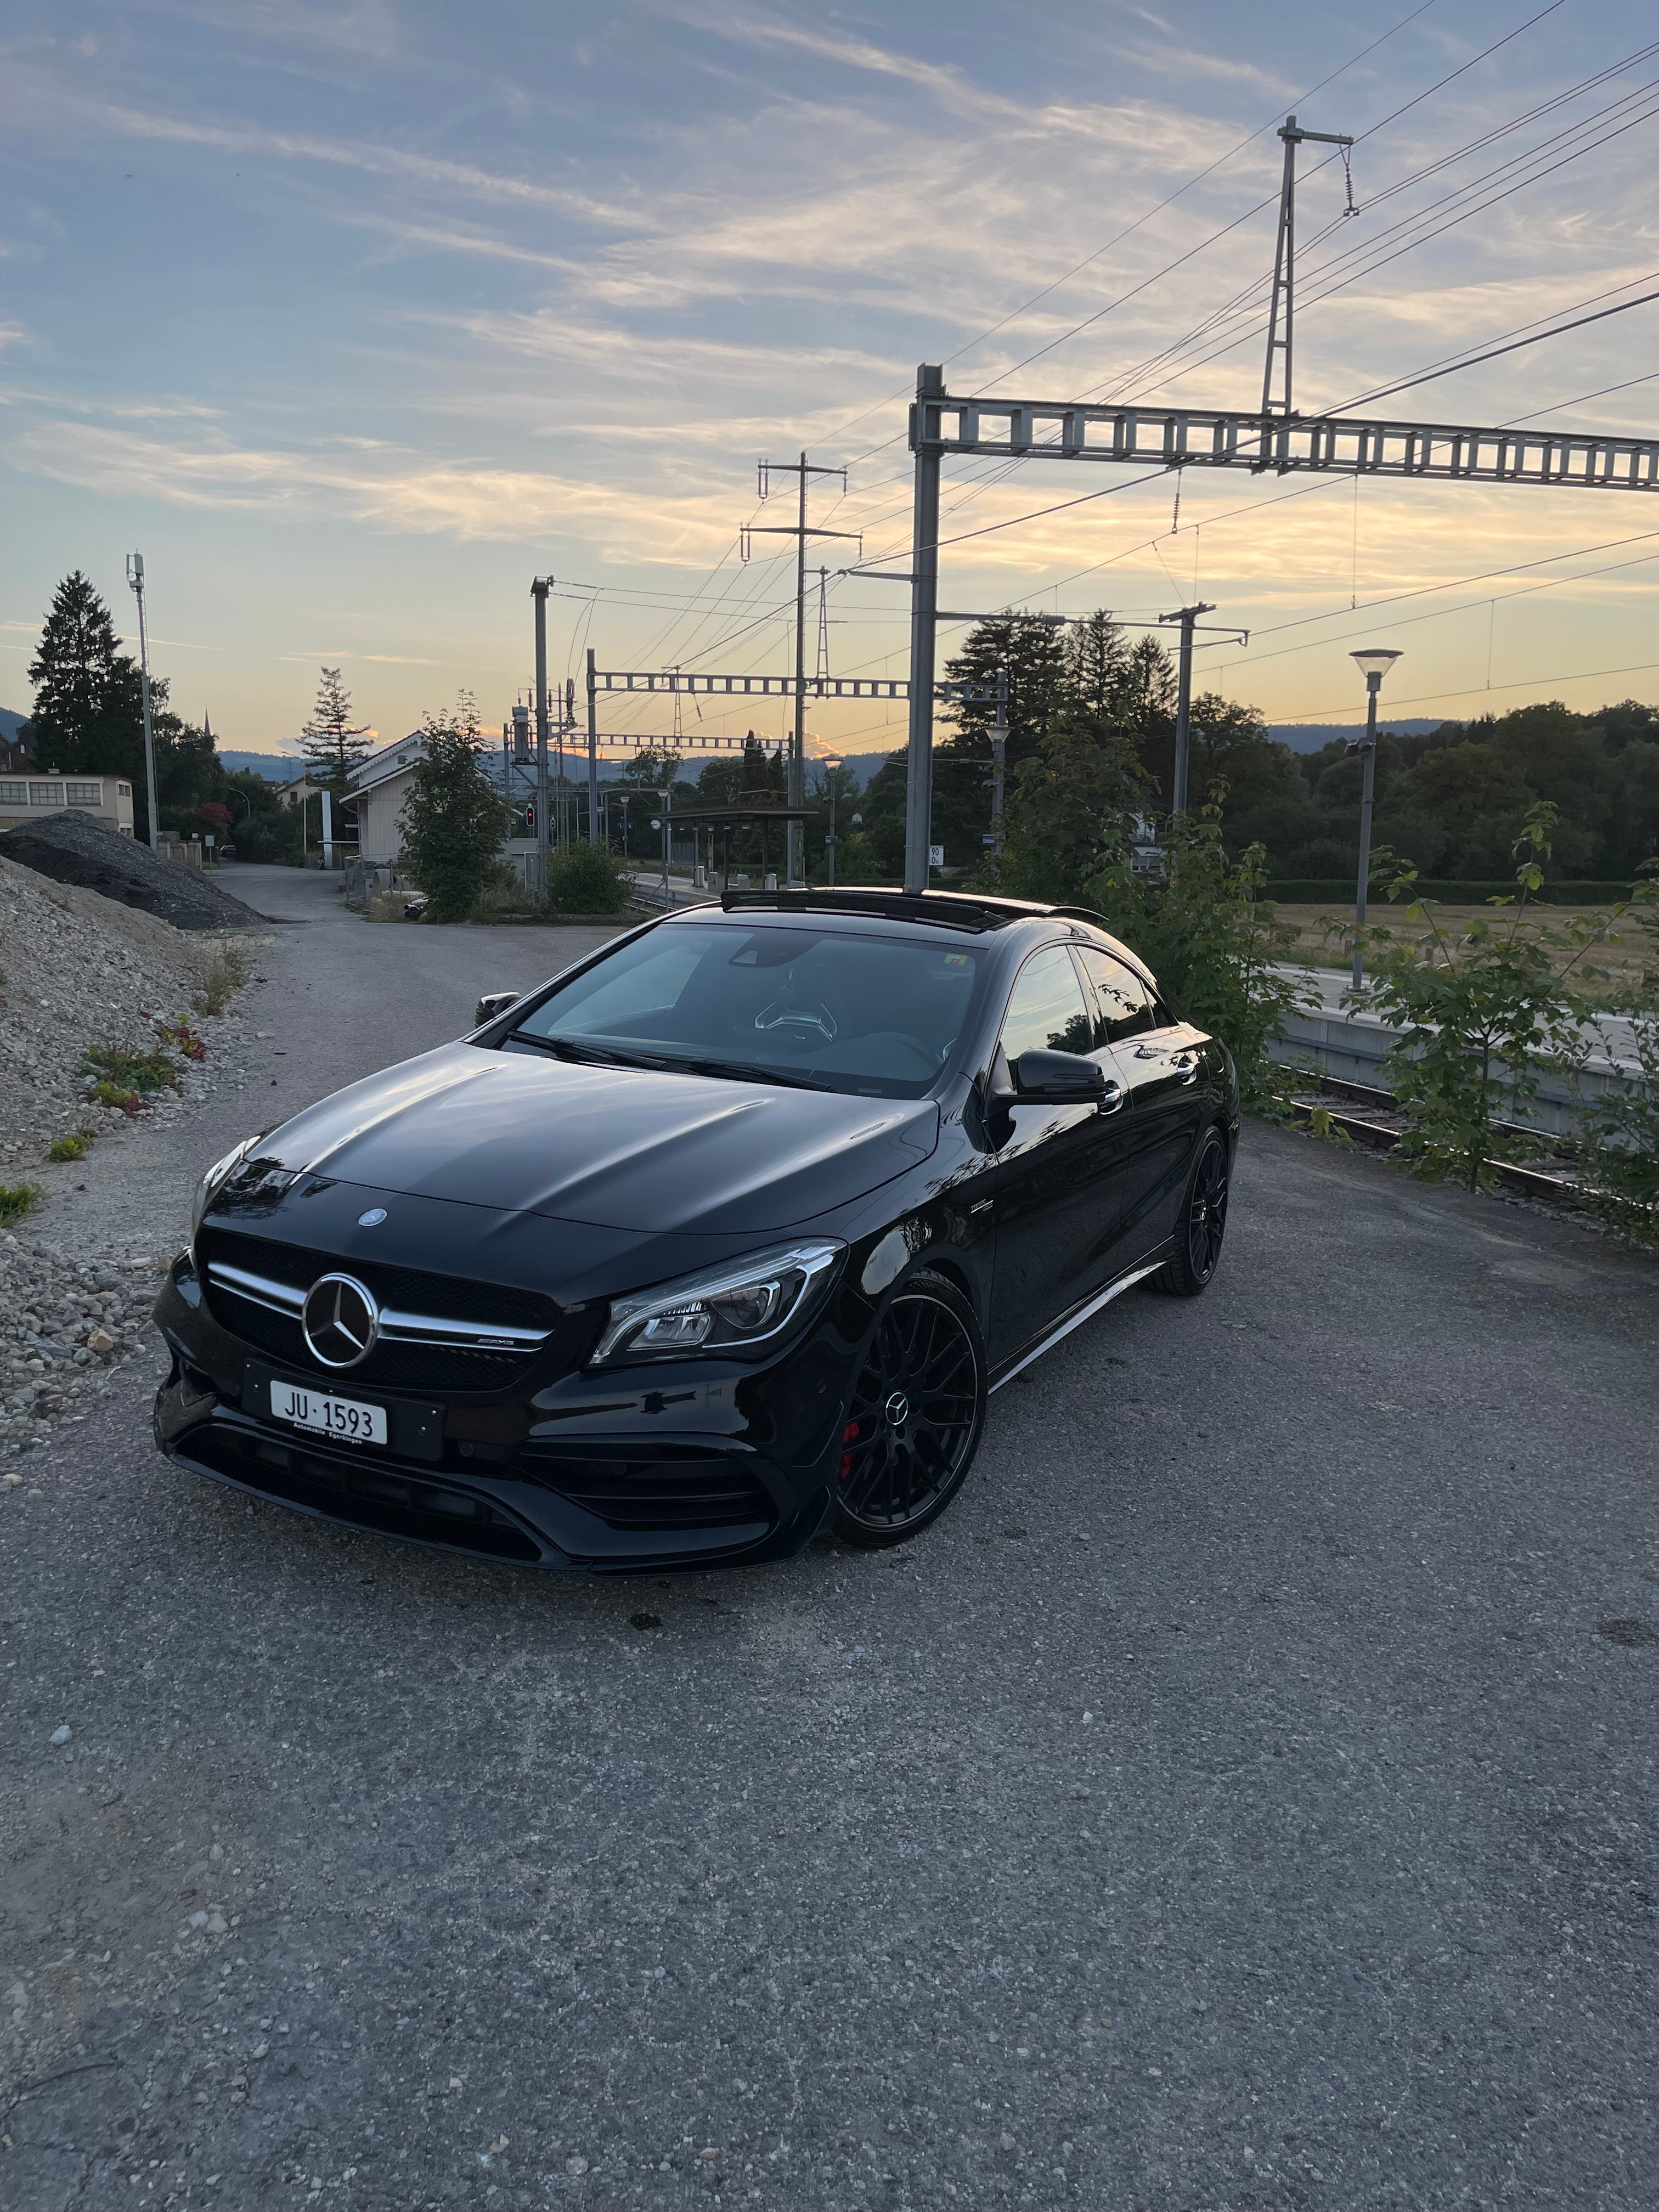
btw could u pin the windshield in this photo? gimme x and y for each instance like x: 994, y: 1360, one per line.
x: 876, y: 1016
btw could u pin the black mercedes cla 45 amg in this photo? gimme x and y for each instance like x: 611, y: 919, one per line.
x: 721, y: 1238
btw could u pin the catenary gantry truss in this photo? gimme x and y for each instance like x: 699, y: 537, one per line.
x: 1219, y: 438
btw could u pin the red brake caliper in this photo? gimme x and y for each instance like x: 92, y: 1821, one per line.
x: 849, y: 1436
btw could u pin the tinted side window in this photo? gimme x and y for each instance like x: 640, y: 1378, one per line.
x: 1046, y: 1012
x: 1126, y: 1008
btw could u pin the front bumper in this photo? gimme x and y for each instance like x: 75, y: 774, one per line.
x: 645, y: 1469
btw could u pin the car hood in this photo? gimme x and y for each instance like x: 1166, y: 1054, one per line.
x: 619, y: 1148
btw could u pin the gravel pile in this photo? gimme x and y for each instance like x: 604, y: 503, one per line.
x: 73, y: 848
x: 77, y: 971
x: 66, y: 1328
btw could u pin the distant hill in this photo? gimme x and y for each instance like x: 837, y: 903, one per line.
x: 9, y: 722
x: 280, y: 768
x: 1309, y: 737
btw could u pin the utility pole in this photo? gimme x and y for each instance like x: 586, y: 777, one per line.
x: 1284, y: 261
x: 794, y: 872
x: 135, y: 578
x: 1188, y: 617
x: 925, y: 430
x: 593, y: 751
x: 539, y: 587
x: 999, y: 756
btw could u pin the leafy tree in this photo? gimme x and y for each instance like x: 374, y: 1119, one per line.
x: 332, y: 743
x: 651, y: 768
x: 454, y: 821
x: 1034, y: 655
x: 1211, y: 938
x: 1622, y: 1127
x: 1479, y: 1014
x: 89, y: 711
x: 1071, y: 815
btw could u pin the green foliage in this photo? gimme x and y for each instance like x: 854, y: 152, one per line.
x: 584, y: 878
x: 1210, y: 940
x: 124, y: 1070
x: 454, y: 821
x: 654, y: 768
x: 332, y: 743
x: 72, y: 1148
x: 1621, y: 1149
x: 1070, y: 816
x: 17, y: 1199
x: 1481, y: 1014
x: 115, y: 1094
x: 227, y: 971
x: 180, y: 1036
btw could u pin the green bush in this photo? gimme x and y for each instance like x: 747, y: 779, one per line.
x: 584, y: 878
x: 16, y: 1198
x: 72, y: 1148
x: 1480, y: 1013
x: 1621, y: 1149
x: 1211, y: 939
x: 126, y: 1070
x: 454, y: 820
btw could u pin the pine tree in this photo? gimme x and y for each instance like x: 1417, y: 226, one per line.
x: 332, y: 743
x: 88, y: 706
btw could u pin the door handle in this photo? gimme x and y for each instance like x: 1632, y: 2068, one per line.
x: 1111, y: 1098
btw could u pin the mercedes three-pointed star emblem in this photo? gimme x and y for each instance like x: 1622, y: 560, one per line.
x: 340, y: 1320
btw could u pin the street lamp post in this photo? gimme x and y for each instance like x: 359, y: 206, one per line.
x: 135, y: 578
x: 1374, y: 663
x: 829, y: 763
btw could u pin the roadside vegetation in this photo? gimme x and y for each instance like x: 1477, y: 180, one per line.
x: 17, y: 1199
x: 454, y: 821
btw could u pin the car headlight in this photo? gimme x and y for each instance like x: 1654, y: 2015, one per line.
x: 723, y: 1309
x: 215, y: 1175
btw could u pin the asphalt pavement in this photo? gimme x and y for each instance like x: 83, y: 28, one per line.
x: 1243, y: 1797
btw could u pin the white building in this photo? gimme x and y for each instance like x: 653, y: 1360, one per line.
x: 381, y: 783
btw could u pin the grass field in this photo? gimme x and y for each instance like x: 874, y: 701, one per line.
x: 1624, y: 963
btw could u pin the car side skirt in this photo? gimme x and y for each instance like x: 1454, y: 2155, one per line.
x: 1084, y: 1312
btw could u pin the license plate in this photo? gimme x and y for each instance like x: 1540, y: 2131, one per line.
x: 348, y: 1419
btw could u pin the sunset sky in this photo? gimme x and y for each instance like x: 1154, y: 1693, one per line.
x: 355, y: 318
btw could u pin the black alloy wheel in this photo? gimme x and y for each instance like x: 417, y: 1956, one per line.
x: 914, y: 1420
x: 1203, y: 1224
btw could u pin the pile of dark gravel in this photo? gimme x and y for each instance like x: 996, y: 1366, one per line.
x: 73, y: 848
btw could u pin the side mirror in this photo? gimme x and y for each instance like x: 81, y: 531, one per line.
x: 494, y: 1003
x: 1058, y: 1078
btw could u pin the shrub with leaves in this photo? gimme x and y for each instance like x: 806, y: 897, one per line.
x: 228, y: 969
x: 17, y: 1199
x: 1480, y: 1013
x: 454, y: 820
x: 180, y: 1036
x: 72, y: 1148
x: 1212, y: 940
x: 1621, y: 1129
x: 132, y: 1071
x: 584, y: 878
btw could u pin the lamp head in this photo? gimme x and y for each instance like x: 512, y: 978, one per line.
x: 1374, y: 662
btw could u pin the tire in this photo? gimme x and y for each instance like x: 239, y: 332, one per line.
x: 1191, y: 1270
x: 915, y: 1415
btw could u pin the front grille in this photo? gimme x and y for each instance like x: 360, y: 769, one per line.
x: 364, y: 1494
x: 426, y: 1366
x: 669, y: 1491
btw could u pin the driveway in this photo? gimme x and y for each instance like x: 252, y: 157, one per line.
x: 1243, y: 1797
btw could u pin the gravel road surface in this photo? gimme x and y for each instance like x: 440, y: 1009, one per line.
x: 1242, y: 1798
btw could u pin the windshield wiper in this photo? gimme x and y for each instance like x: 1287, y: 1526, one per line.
x: 747, y: 1071
x: 596, y: 1055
